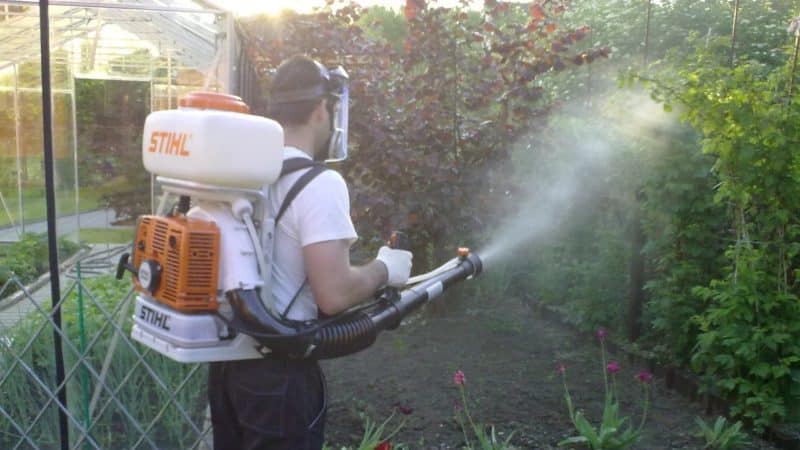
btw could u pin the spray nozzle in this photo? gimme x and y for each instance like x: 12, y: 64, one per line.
x: 399, y: 240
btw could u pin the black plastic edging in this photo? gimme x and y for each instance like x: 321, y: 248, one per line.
x: 52, y: 237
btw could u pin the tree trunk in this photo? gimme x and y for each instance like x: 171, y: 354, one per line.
x: 633, y: 320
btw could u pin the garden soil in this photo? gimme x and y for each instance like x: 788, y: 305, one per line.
x: 509, y: 354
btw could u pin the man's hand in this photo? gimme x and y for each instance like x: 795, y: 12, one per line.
x: 398, y: 265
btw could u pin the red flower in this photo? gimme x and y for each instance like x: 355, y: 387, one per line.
x: 459, y: 379
x: 404, y: 409
x: 385, y: 445
x: 612, y: 367
x: 644, y: 376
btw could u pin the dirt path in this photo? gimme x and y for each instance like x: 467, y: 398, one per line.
x: 509, y: 361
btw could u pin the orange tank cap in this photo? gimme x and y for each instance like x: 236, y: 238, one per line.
x: 463, y: 252
x: 213, y: 100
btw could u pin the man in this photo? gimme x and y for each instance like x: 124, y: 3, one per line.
x: 280, y: 403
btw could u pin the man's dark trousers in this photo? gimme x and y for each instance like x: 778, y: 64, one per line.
x: 267, y: 404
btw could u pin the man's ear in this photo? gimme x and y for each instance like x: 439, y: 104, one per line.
x: 318, y: 114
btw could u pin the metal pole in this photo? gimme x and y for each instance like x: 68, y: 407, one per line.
x: 52, y: 236
x: 733, y: 31
x: 169, y: 80
x: 93, y: 49
x: 231, y: 84
x: 75, y: 157
x: 8, y: 213
x: 647, y: 29
x: 17, y: 135
x: 589, y: 66
x: 152, y: 108
x: 130, y: 6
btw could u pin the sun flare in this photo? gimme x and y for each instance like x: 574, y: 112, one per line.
x: 273, y: 7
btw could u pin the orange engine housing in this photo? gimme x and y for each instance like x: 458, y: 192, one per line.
x: 187, y: 250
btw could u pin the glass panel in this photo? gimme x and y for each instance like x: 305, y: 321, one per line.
x: 109, y: 68
x: 111, y: 115
x: 10, y: 211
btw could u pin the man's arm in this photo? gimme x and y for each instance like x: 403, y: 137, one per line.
x: 335, y: 284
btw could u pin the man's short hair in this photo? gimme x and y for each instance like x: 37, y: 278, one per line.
x: 297, y: 72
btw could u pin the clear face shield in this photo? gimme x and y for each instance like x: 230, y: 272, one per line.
x: 335, y: 87
x: 339, y: 104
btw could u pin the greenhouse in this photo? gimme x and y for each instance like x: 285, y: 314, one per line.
x: 521, y: 224
x: 112, y: 63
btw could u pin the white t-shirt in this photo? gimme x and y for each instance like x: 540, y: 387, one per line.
x: 320, y: 212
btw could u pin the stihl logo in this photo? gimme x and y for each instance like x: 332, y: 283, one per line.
x: 169, y: 143
x: 154, y: 317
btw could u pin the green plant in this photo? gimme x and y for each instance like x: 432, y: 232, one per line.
x: 129, y: 391
x: 683, y: 224
x: 375, y: 436
x: 374, y: 433
x: 610, y: 434
x: 746, y: 111
x: 746, y: 342
x: 723, y: 435
x: 432, y: 122
x: 485, y: 437
x: 27, y: 258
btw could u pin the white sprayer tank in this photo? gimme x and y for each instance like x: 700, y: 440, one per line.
x: 211, y: 139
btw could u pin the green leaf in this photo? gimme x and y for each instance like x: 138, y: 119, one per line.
x: 573, y: 440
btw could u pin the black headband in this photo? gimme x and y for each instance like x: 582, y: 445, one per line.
x: 299, y: 95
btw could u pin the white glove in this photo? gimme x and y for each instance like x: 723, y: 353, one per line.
x: 398, y: 265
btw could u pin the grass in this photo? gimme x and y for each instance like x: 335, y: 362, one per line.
x: 35, y: 204
x: 107, y: 235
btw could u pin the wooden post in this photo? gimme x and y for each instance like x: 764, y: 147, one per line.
x: 733, y: 31
x: 795, y: 27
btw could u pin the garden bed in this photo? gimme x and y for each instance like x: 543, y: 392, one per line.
x: 509, y: 354
x: 27, y: 262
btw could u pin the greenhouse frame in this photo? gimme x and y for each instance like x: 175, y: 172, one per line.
x: 70, y: 374
x: 139, y: 56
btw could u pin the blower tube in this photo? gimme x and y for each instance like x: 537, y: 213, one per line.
x: 350, y: 332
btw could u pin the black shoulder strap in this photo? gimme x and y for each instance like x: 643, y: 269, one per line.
x: 293, y: 165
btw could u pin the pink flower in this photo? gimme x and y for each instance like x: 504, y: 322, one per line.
x: 459, y: 379
x: 561, y: 368
x: 601, y: 334
x: 644, y: 376
x: 612, y: 367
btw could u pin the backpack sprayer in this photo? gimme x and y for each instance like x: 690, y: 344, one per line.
x: 202, y: 270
